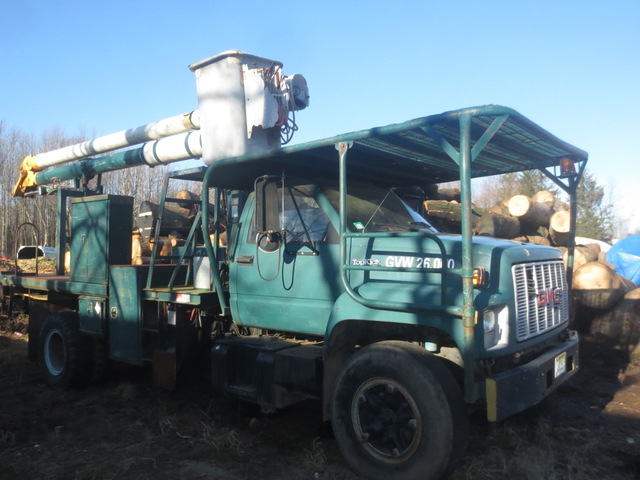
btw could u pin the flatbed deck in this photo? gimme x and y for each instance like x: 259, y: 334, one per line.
x: 44, y: 283
x: 53, y: 283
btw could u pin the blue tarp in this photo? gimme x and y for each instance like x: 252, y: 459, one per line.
x: 625, y: 256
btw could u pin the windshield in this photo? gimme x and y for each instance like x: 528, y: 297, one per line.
x: 374, y: 209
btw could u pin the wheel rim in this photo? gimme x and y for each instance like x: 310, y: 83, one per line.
x: 55, y: 353
x: 386, y: 420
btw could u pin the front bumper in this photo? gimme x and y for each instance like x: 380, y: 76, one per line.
x: 522, y: 387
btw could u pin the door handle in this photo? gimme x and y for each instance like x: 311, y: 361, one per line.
x: 244, y: 260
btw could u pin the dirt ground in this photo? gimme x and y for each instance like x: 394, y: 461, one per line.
x: 127, y: 429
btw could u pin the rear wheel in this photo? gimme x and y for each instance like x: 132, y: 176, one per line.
x: 63, y: 351
x: 398, y: 413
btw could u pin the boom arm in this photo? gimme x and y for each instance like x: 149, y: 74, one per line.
x: 32, y: 165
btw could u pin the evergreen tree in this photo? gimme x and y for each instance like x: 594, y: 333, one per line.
x: 533, y: 181
x: 595, y: 215
x: 524, y: 183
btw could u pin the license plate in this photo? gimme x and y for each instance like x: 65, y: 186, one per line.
x: 560, y: 365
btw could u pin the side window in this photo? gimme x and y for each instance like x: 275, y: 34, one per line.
x: 302, y: 219
x: 303, y: 212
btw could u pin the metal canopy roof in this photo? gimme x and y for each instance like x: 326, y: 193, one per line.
x: 418, y: 152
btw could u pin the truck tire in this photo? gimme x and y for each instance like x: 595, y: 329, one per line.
x: 398, y: 413
x: 63, y: 351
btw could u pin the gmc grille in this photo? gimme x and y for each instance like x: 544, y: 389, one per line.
x: 542, y: 297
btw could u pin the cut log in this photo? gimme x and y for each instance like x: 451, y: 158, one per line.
x: 495, y: 225
x: 559, y: 206
x: 176, y: 242
x: 222, y: 238
x: 500, y: 209
x: 621, y: 325
x: 173, y: 219
x: 561, y: 221
x: 164, y: 249
x: 186, y: 195
x: 449, y: 211
x: 602, y: 258
x: 582, y: 254
x: 559, y: 227
x: 593, y: 248
x: 188, y: 209
x: 597, y: 287
x: 139, y: 247
x: 529, y: 211
x: 519, y: 205
x: 544, y: 196
x: 448, y: 215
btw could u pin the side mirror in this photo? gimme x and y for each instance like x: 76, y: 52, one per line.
x: 268, y: 204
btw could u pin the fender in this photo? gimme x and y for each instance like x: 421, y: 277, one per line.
x: 347, y: 309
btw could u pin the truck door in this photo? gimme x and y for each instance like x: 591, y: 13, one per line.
x: 290, y: 281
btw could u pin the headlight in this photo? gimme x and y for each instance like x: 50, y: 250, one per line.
x: 489, y: 321
x: 495, y: 321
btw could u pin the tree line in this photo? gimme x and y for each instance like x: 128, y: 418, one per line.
x: 41, y: 210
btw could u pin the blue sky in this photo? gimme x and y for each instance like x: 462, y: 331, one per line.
x: 571, y: 66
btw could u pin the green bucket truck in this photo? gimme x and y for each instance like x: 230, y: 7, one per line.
x: 324, y: 285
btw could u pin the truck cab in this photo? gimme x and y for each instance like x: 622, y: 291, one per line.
x: 326, y: 251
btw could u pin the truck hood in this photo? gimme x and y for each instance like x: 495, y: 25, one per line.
x: 486, y: 250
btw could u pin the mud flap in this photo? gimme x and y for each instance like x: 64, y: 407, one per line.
x: 164, y: 369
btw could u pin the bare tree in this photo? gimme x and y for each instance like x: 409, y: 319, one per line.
x: 486, y: 191
x: 142, y: 183
x: 620, y: 223
x: 14, y: 145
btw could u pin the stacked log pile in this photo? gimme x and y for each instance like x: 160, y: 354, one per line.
x: 620, y: 325
x: 606, y: 305
x: 176, y: 223
x: 539, y: 219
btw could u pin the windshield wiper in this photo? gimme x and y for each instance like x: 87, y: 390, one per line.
x: 421, y: 224
x: 376, y: 211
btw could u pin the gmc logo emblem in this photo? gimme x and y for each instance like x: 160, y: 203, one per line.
x: 549, y: 296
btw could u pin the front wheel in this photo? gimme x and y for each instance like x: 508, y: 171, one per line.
x: 63, y: 351
x: 397, y: 413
